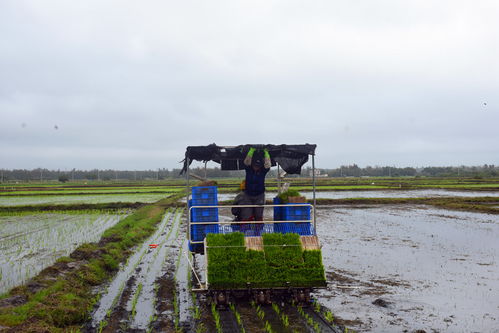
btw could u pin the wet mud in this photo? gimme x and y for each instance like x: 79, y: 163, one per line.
x: 396, y: 269
x: 164, y: 307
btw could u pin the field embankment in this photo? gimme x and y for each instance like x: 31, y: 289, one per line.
x: 475, y: 204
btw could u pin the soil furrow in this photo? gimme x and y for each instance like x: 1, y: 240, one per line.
x: 151, y: 268
x: 116, y: 287
x: 250, y: 320
x: 229, y: 322
x: 322, y: 323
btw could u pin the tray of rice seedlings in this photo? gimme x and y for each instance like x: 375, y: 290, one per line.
x: 277, y: 261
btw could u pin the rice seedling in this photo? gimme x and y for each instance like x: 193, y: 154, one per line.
x: 102, y: 325
x: 328, y: 315
x: 216, y: 318
x: 135, y: 298
x: 309, y: 320
x: 238, y: 317
x: 282, y: 262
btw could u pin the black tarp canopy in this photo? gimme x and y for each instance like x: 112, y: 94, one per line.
x: 289, y: 157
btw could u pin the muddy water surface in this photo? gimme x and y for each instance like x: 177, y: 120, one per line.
x: 430, y: 193
x: 392, y: 269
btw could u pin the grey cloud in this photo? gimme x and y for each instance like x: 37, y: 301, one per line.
x: 370, y: 82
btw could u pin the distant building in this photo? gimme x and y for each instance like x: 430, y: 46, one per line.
x: 317, y: 173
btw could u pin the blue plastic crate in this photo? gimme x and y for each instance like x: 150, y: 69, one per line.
x: 204, y: 214
x: 204, y: 195
x: 198, y: 232
x: 277, y: 210
x: 295, y: 213
x: 301, y: 228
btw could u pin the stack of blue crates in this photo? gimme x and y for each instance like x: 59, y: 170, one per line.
x: 203, y: 196
x: 292, y: 213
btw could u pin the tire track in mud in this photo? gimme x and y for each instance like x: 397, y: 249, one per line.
x: 118, y: 310
x: 229, y: 321
x: 322, y: 323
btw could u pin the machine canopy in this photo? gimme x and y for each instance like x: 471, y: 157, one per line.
x: 289, y: 157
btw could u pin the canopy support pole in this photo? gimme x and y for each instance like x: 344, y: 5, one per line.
x: 313, y: 181
x: 278, y: 180
x: 187, y: 201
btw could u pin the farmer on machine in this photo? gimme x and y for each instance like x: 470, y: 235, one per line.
x: 257, y: 164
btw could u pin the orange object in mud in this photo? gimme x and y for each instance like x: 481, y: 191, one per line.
x: 153, y: 246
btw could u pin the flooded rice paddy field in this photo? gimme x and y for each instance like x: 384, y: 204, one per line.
x: 389, y: 268
x: 31, y: 242
x: 6, y: 201
x: 430, y: 193
x: 396, y: 269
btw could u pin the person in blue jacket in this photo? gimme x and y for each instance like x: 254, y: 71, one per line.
x: 256, y: 167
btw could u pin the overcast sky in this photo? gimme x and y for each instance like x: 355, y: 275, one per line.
x: 131, y: 84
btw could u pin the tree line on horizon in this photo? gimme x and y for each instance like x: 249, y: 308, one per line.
x: 41, y: 174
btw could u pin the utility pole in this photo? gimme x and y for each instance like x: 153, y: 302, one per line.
x: 98, y: 174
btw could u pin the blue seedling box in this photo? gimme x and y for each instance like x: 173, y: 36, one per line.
x: 277, y: 210
x: 301, y: 228
x: 296, y: 213
x: 293, y: 213
x: 204, y: 214
x: 198, y: 232
x: 204, y: 195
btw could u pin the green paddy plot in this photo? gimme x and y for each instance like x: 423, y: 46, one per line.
x: 7, y: 201
x: 281, y: 263
x: 87, y: 190
x: 31, y: 242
